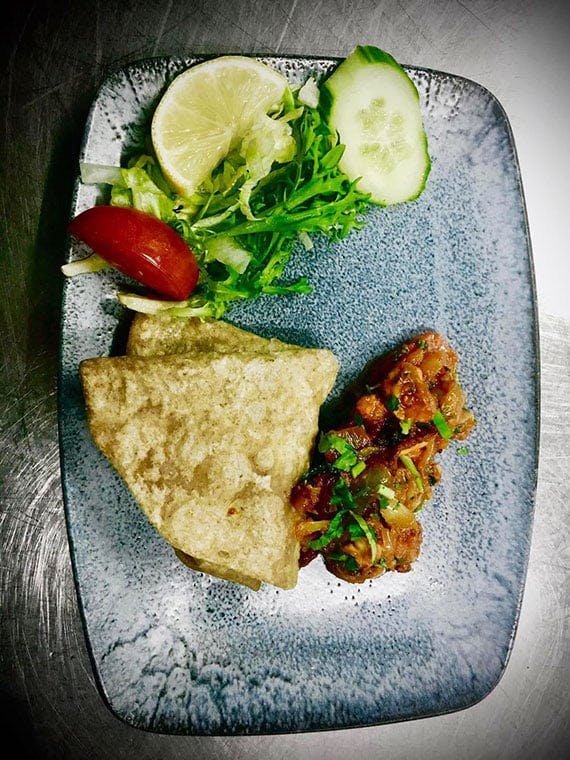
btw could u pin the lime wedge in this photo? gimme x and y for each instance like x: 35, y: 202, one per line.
x: 205, y: 113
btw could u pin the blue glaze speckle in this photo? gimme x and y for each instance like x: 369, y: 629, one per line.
x: 179, y: 652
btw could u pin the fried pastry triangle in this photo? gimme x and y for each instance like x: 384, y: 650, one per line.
x: 210, y: 444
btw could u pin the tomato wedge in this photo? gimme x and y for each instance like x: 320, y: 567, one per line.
x: 140, y: 246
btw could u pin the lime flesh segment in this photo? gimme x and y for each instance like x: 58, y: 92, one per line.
x: 205, y: 113
x: 374, y: 106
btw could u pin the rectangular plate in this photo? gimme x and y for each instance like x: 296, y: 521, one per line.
x: 178, y: 652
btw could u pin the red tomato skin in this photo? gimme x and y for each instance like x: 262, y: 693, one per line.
x: 140, y: 246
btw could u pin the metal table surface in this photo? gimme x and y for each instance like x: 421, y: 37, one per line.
x: 54, y: 55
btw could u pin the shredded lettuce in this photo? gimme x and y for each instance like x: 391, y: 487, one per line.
x: 92, y: 263
x: 267, y: 142
x: 95, y: 174
x: 193, y: 307
x: 228, y: 252
x: 309, y: 93
x: 147, y: 305
x: 143, y: 187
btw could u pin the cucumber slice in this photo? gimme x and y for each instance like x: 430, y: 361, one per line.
x: 375, y: 108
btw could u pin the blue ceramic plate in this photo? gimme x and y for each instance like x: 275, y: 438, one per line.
x: 179, y: 652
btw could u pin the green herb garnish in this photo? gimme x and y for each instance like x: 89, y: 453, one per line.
x: 413, y: 470
x: 442, y: 427
x: 347, y: 459
x: 355, y: 531
x: 347, y: 559
x: 341, y: 496
x: 333, y: 532
x: 357, y: 469
x: 392, y: 403
x: 357, y: 528
x: 369, y: 534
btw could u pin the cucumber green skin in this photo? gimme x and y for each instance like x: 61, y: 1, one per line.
x: 363, y: 55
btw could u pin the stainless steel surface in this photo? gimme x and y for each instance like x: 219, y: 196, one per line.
x: 54, y: 55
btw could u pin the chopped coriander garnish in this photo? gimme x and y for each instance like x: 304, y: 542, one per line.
x: 334, y: 531
x: 357, y: 528
x: 347, y: 560
x: 392, y: 403
x: 367, y: 531
x: 421, y: 344
x: 347, y: 458
x: 463, y: 450
x: 351, y: 564
x: 355, y: 531
x: 342, y: 497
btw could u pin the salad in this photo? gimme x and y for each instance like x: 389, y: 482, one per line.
x: 241, y: 168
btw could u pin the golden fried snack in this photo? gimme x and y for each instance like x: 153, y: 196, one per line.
x: 210, y: 445
x: 159, y: 335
